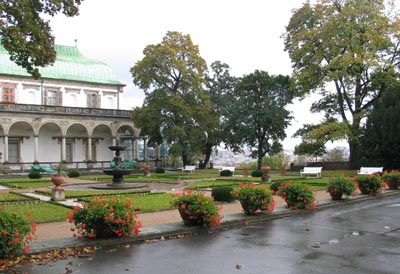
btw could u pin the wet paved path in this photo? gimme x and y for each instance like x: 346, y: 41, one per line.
x: 359, y: 238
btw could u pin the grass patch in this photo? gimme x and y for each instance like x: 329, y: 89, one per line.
x: 26, y: 183
x: 40, y: 212
x: 149, y: 202
x: 14, y: 197
x: 71, y: 194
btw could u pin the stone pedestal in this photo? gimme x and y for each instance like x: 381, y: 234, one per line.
x: 58, y: 195
x: 265, y: 178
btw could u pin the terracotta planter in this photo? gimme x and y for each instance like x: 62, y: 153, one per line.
x: 336, y: 195
x: 103, y: 231
x: 265, y: 169
x: 187, y: 220
x: 57, y: 180
x: 245, y: 207
x: 283, y: 171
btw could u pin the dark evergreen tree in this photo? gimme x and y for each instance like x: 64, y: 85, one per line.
x: 380, y: 145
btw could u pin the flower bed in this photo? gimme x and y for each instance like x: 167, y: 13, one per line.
x: 255, y: 199
x: 392, y: 179
x: 339, y: 186
x: 104, y: 217
x: 370, y: 184
x: 196, y: 209
x: 15, y: 233
x: 297, y: 196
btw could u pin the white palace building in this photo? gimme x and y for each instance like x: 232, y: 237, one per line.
x: 71, y: 114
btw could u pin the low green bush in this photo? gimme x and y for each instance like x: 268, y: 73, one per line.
x: 73, y: 173
x: 257, y: 173
x: 222, y: 193
x: 226, y: 173
x: 34, y: 175
x: 160, y: 170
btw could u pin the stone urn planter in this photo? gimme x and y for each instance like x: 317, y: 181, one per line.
x: 265, y: 170
x: 57, y: 180
x: 147, y: 170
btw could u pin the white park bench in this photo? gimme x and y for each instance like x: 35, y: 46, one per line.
x: 189, y: 169
x: 370, y: 170
x: 311, y: 170
x: 231, y: 168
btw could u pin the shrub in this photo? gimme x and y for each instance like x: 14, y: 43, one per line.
x: 73, y: 173
x: 222, y: 193
x: 392, y: 179
x: 226, y: 173
x: 15, y: 232
x: 104, y: 217
x: 34, y: 175
x: 257, y: 173
x: 297, y: 196
x: 160, y: 170
x: 275, y: 187
x: 196, y: 209
x: 369, y: 184
x: 254, y: 198
x: 341, y: 186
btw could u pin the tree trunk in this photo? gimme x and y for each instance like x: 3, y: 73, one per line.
x: 354, y: 152
x: 185, y: 159
x: 208, y: 156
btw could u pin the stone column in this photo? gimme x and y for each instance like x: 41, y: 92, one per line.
x: 63, y: 148
x: 89, y: 148
x: 6, y: 148
x: 36, y: 149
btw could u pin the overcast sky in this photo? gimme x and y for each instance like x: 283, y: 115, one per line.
x: 244, y: 34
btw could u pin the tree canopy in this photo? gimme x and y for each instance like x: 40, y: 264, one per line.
x: 26, y: 34
x: 177, y: 109
x: 345, y: 50
x: 256, y: 116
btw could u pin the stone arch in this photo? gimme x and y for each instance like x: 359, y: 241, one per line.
x: 49, y: 140
x: 77, y: 136
x: 102, y: 138
x: 20, y: 142
x: 128, y: 138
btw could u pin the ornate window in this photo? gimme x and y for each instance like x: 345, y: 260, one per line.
x: 14, y: 151
x: 8, y: 92
x: 68, y: 152
x: 53, y: 97
x: 93, y: 100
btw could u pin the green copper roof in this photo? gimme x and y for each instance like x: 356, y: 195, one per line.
x: 70, y: 64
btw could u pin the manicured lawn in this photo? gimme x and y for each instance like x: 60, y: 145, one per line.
x: 71, y: 194
x: 150, y: 202
x: 13, y: 197
x: 39, y: 212
x: 26, y: 183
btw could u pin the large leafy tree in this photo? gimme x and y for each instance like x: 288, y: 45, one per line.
x: 381, y: 142
x: 346, y: 50
x: 309, y: 146
x: 26, y: 34
x: 257, y: 117
x: 176, y: 108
